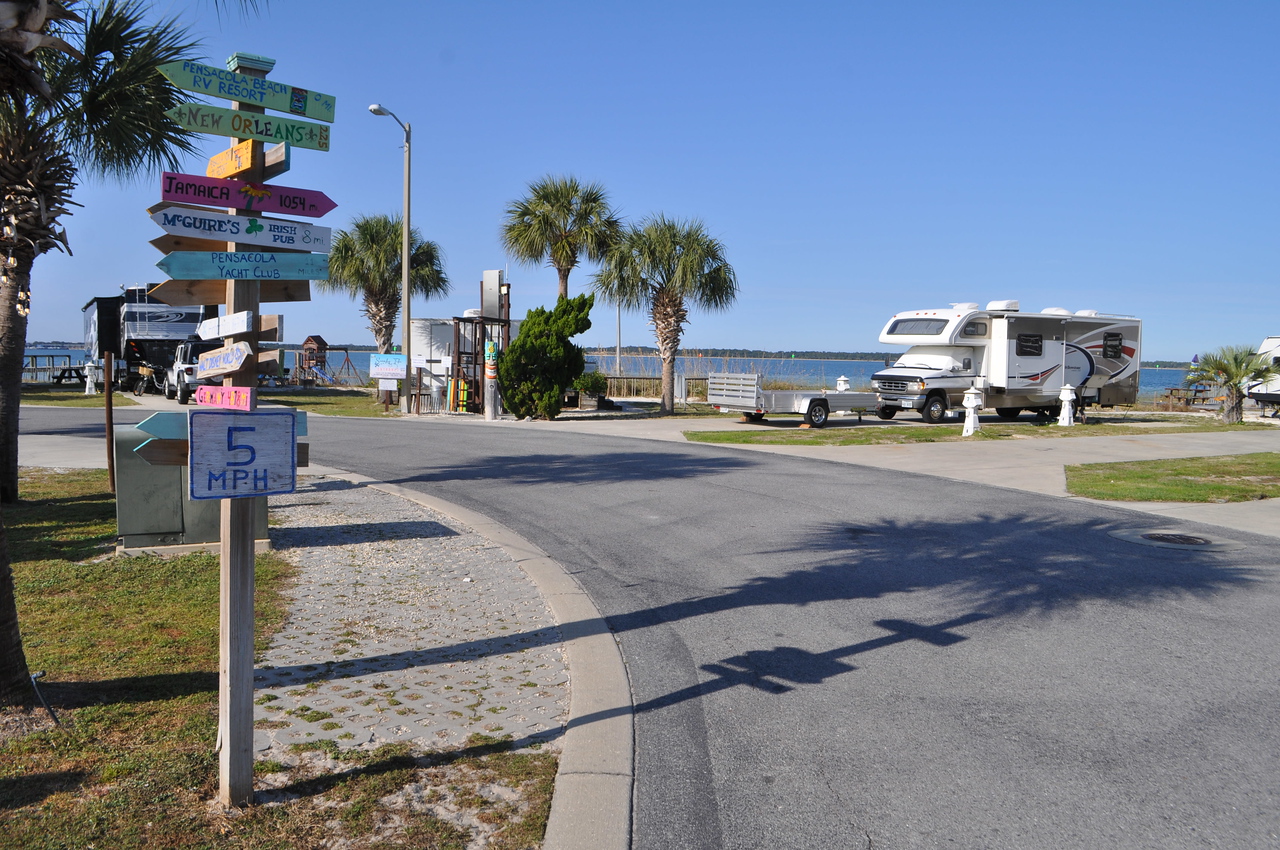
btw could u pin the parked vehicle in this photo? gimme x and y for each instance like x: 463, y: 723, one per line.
x: 745, y: 394
x: 1018, y: 361
x: 1268, y: 392
x: 180, y: 379
x: 141, y: 333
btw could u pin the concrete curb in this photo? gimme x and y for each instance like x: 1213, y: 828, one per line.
x: 591, y: 808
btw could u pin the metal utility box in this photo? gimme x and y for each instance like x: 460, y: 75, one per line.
x: 152, y: 508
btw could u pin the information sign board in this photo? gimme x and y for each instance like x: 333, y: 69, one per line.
x: 223, y: 361
x: 234, y: 455
x: 255, y: 197
x: 246, y: 229
x: 231, y: 398
x: 244, y: 265
x: 219, y: 82
x: 219, y: 121
x: 386, y: 365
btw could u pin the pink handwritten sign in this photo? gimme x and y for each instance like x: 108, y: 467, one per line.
x: 237, y: 194
x: 230, y: 398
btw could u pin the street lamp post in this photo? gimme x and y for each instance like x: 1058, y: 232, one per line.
x: 379, y: 109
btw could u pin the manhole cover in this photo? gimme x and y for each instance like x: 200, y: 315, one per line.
x: 1168, y: 538
x: 1179, y: 539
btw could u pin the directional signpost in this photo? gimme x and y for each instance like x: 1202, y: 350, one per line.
x: 244, y: 265
x: 253, y: 230
x: 257, y: 91
x: 238, y: 258
x: 254, y: 197
x: 246, y: 125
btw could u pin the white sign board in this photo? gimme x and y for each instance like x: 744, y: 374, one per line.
x: 220, y: 326
x: 223, y: 361
x: 233, y: 455
x: 388, y: 385
x: 247, y: 229
x: 386, y: 365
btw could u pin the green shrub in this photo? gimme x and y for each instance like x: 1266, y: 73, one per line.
x: 595, y: 383
x: 535, y: 369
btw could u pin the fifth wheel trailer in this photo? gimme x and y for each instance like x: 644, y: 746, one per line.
x: 1017, y: 361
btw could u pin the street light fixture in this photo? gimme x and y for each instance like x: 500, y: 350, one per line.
x: 379, y: 109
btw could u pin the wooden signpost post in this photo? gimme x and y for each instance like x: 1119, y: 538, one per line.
x: 237, y: 453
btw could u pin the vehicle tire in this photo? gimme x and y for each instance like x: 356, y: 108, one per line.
x: 140, y: 387
x: 1009, y: 413
x: 755, y: 417
x: 816, y: 415
x: 169, y: 391
x: 184, y: 393
x: 886, y: 412
x: 935, y: 409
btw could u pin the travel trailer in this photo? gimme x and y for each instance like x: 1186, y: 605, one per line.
x: 1018, y: 361
x: 1268, y: 392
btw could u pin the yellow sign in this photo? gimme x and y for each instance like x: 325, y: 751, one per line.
x: 231, y: 162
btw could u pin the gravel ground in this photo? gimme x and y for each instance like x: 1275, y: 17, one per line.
x: 405, y: 626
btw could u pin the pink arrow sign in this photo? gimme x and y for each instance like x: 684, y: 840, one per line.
x: 237, y: 194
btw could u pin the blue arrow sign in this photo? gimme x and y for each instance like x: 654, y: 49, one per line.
x: 173, y: 426
x: 244, y: 265
x: 166, y: 426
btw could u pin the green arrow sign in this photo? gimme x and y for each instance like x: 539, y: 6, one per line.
x: 218, y: 82
x: 244, y: 265
x: 217, y: 121
x: 165, y: 426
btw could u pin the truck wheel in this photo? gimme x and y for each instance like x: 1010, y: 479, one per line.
x: 886, y: 412
x: 816, y: 415
x: 1009, y: 413
x: 755, y: 417
x: 935, y: 409
x: 184, y: 393
x: 169, y: 392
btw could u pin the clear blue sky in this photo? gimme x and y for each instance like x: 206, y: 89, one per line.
x: 856, y: 158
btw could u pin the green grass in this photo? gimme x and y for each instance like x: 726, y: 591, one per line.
x: 70, y: 396
x: 130, y: 646
x: 1229, y: 478
x: 353, y: 401
x: 786, y: 432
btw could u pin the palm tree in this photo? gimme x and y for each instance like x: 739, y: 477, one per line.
x: 1232, y: 368
x: 104, y: 114
x: 24, y: 29
x: 365, y: 263
x: 659, y: 266
x: 560, y: 222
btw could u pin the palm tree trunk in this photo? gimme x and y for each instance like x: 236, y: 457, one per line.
x: 1233, y: 406
x: 15, y: 677
x: 13, y: 342
x: 564, y: 282
x: 669, y: 316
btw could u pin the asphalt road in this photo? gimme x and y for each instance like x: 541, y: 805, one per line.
x: 832, y: 656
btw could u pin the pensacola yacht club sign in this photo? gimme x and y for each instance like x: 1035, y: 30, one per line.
x: 234, y: 255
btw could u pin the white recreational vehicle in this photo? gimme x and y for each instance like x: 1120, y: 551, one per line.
x: 1018, y: 361
x: 1268, y: 392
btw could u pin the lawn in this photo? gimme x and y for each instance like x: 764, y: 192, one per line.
x: 130, y: 646
x: 1229, y: 478
x: 347, y: 401
x: 787, y: 432
x: 70, y: 397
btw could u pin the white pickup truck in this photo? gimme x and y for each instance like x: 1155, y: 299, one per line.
x: 745, y: 394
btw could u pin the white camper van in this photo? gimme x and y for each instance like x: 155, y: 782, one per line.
x: 1019, y: 361
x: 1268, y: 392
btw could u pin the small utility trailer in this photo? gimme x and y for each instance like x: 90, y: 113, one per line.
x: 745, y: 394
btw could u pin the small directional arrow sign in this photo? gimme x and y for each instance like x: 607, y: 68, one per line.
x: 190, y: 293
x: 254, y: 197
x: 232, y: 162
x: 224, y: 361
x: 165, y: 425
x: 244, y: 265
x: 219, y: 326
x: 246, y: 229
x: 219, y: 121
x: 219, y: 82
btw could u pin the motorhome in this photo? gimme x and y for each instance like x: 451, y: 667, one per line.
x: 1268, y: 392
x: 1017, y: 361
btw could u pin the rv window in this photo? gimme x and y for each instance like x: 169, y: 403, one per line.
x: 918, y: 327
x: 1113, y: 346
x: 1030, y: 345
x: 975, y: 329
x: 1275, y: 361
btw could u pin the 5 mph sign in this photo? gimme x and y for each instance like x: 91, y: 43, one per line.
x: 242, y: 454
